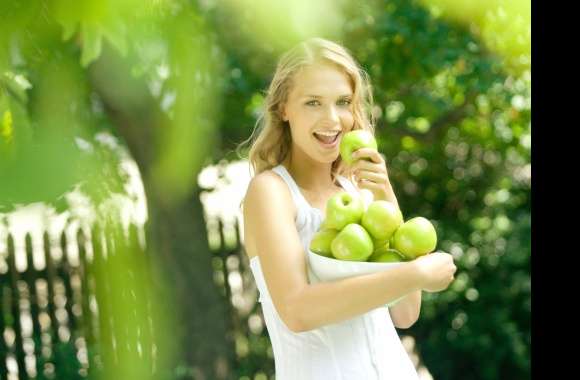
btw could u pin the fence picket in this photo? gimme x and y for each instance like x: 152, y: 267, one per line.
x: 15, y: 308
x: 31, y: 275
x: 4, y: 289
x: 86, y: 291
x: 50, y: 275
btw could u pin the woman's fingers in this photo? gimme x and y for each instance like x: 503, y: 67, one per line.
x: 368, y: 153
x: 369, y: 166
x: 371, y: 176
x: 369, y: 185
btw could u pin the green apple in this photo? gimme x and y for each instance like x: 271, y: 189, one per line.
x: 416, y: 237
x: 342, y: 209
x: 324, y: 226
x: 353, y: 243
x: 380, y: 244
x: 386, y: 256
x: 354, y: 140
x: 321, y: 242
x: 381, y: 219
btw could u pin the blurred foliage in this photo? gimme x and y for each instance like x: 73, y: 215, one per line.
x: 503, y: 25
x: 145, y: 71
x: 46, y: 105
x: 53, y: 89
x: 452, y: 87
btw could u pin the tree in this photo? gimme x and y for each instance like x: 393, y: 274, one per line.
x: 149, y: 72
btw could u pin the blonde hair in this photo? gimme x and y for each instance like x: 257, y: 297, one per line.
x: 271, y: 141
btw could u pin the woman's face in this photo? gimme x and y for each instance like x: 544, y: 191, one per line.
x: 319, y: 111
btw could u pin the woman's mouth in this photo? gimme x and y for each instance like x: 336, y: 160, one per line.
x: 327, y: 138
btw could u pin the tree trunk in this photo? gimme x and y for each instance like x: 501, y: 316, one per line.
x: 176, y: 232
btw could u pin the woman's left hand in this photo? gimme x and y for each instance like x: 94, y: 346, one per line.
x: 370, y: 172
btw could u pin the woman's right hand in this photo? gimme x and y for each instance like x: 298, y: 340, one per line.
x: 436, y: 269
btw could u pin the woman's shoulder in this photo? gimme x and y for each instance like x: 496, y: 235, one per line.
x: 267, y: 187
x: 268, y: 197
x: 266, y: 179
x: 267, y: 203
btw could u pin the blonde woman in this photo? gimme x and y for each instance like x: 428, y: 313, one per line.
x: 332, y: 330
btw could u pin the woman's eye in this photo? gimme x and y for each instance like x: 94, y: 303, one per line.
x: 342, y: 102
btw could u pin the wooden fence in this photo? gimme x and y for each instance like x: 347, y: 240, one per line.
x: 70, y: 309
x: 232, y: 274
x: 66, y: 304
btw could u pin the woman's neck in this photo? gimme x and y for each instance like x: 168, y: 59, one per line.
x: 309, y: 175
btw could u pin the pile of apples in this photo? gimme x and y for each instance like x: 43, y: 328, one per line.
x: 377, y: 233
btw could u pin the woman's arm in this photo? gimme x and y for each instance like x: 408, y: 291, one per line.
x: 271, y: 233
x: 405, y: 312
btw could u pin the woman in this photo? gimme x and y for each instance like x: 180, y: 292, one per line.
x: 341, y: 329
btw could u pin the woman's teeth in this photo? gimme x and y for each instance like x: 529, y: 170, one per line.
x: 327, y: 137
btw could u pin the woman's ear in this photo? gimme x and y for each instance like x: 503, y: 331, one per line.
x: 283, y: 113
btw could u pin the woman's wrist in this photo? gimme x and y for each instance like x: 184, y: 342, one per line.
x: 419, y: 275
x: 387, y: 194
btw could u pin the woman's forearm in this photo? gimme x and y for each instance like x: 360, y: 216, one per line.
x: 386, y: 193
x: 321, y: 304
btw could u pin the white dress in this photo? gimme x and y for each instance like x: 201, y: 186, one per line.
x: 364, y: 347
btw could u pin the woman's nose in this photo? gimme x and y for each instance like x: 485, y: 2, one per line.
x: 332, y: 114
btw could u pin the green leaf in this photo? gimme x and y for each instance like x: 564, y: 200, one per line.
x: 92, y: 43
x: 16, y: 84
x: 116, y: 33
x: 68, y: 29
x: 68, y: 15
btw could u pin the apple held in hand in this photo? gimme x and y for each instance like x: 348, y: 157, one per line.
x: 342, y: 209
x: 381, y: 219
x: 416, y: 237
x: 321, y: 242
x: 354, y: 140
x: 386, y: 256
x: 353, y: 243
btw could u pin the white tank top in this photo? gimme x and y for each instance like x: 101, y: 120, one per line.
x: 364, y: 347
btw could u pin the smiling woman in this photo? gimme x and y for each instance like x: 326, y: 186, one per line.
x: 338, y: 329
x: 335, y: 89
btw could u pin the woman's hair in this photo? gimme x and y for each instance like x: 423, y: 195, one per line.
x: 271, y: 141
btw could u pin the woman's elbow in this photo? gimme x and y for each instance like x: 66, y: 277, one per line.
x: 298, y: 322
x: 292, y: 318
x: 295, y: 325
x: 405, y: 321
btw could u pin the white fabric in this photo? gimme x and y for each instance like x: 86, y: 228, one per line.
x: 365, y: 347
